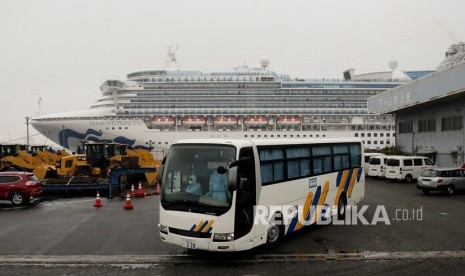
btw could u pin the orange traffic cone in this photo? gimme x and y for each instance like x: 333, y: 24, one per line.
x: 128, y: 205
x: 140, y: 192
x: 157, y: 190
x: 98, y: 201
x: 132, y: 190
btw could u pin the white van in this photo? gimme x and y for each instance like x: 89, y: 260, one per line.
x: 407, y: 168
x: 377, y: 166
x: 367, y: 159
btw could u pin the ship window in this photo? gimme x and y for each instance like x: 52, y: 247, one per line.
x: 272, y: 135
x: 356, y: 134
x: 245, y: 135
x: 279, y: 135
x: 252, y: 136
x: 285, y: 135
x: 113, y: 128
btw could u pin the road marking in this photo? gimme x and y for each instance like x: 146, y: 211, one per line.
x: 65, y: 202
x: 173, y: 259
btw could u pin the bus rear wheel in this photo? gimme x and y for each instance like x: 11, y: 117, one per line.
x: 341, y: 208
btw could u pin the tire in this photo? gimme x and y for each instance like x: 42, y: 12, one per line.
x: 408, y: 178
x: 450, y: 190
x: 275, y: 231
x: 425, y: 191
x: 341, y: 208
x: 18, y: 199
x: 81, y: 173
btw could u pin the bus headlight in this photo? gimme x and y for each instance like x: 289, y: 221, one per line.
x: 163, y: 229
x: 220, y: 237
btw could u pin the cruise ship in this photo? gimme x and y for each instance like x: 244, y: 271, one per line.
x: 152, y: 109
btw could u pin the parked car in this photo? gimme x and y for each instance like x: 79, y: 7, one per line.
x: 407, y: 168
x: 442, y: 179
x: 19, y: 187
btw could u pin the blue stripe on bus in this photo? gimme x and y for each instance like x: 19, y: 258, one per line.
x: 349, y: 178
x: 359, y: 175
x: 203, y: 226
x: 316, y: 198
x: 293, y: 223
x: 338, y: 179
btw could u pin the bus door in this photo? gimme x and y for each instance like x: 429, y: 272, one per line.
x: 245, y: 195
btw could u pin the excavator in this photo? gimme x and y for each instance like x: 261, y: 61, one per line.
x: 15, y: 157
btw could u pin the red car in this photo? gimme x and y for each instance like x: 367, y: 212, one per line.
x: 19, y: 187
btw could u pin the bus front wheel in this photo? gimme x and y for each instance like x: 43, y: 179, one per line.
x: 275, y: 230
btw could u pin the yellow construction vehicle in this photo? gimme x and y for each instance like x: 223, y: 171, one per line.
x: 94, y: 163
x: 47, y: 155
x: 139, y: 158
x: 15, y: 157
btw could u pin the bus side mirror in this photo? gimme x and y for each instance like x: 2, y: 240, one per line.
x: 160, y: 174
x: 232, y: 179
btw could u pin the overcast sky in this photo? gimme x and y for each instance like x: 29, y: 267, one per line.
x: 61, y: 51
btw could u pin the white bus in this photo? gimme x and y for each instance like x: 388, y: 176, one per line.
x: 290, y: 178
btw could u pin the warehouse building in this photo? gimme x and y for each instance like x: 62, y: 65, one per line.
x: 430, y: 111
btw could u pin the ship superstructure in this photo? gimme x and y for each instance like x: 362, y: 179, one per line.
x: 154, y: 108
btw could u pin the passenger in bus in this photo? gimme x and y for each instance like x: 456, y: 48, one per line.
x: 193, y: 187
x: 218, y: 185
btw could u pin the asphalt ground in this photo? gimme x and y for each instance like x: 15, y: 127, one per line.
x: 420, y: 235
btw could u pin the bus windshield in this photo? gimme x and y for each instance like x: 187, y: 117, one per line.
x: 194, y: 178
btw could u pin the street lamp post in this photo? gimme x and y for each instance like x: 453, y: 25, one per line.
x: 27, y: 132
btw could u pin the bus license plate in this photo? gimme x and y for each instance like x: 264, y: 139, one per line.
x: 188, y: 244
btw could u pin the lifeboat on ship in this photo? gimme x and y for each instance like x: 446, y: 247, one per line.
x: 162, y: 121
x: 193, y: 121
x: 225, y: 121
x: 256, y: 121
x: 288, y: 120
